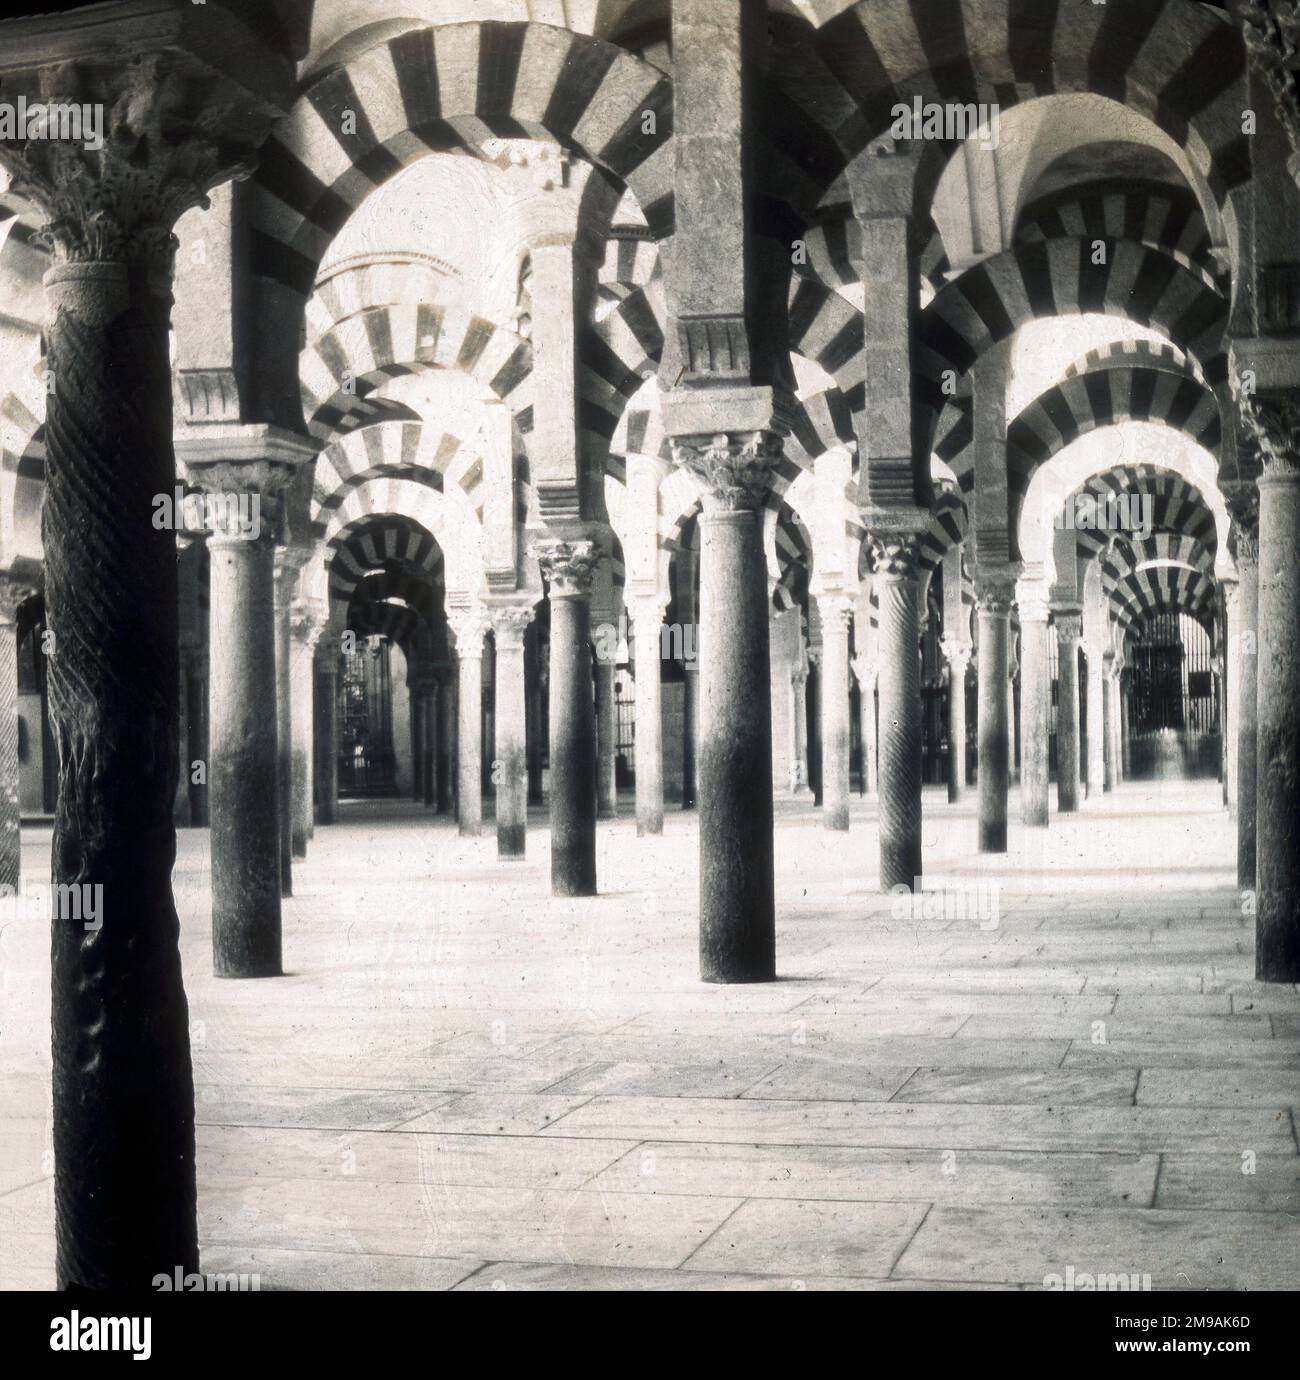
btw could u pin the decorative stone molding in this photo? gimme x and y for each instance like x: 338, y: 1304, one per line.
x: 1242, y: 500
x: 207, y: 396
x: 735, y: 468
x: 995, y: 591
x: 569, y: 566
x: 1069, y: 626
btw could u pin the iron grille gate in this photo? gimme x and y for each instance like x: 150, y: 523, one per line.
x: 1174, y: 704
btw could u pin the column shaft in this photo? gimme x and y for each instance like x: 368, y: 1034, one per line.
x: 835, y: 612
x: 647, y: 615
x: 285, y: 578
x: 469, y: 729
x: 994, y: 626
x: 1246, y: 702
x: 1068, y: 628
x: 899, y: 682
x: 1035, y: 713
x: 606, y: 741
x: 510, y: 769
x: 957, y: 654
x: 327, y: 736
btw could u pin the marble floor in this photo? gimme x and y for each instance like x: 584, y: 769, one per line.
x: 1063, y: 1061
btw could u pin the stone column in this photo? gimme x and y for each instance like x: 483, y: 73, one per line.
x: 1244, y: 625
x: 469, y: 627
x: 1277, y: 800
x: 510, y: 769
x: 1035, y: 706
x: 898, y: 670
x: 286, y: 584
x: 569, y: 567
x: 647, y: 620
x: 415, y: 721
x: 606, y: 742
x: 865, y: 671
x: 327, y: 728
x: 1116, y: 754
x: 734, y: 767
x: 14, y: 590
x: 1230, y: 682
x: 1125, y: 768
x: 690, y: 719
x: 799, y: 776
x: 835, y: 610
x: 447, y: 717
x: 429, y: 738
x: 1013, y: 669
x: 1107, y: 723
x: 196, y: 733
x: 1069, y: 631
x: 307, y: 618
x: 957, y: 653
x: 1096, y: 772
x: 995, y: 590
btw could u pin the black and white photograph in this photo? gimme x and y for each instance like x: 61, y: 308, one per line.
x: 650, y: 646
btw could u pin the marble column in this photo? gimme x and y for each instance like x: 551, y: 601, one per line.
x: 690, y: 718
x: 415, y: 721
x: 1013, y: 670
x: 606, y: 741
x: 1125, y: 767
x: 445, y: 771
x: 1277, y: 799
x: 196, y: 734
x: 1096, y: 771
x: 1244, y: 625
x: 898, y: 671
x: 327, y: 728
x: 469, y: 627
x: 13, y: 591
x: 429, y: 738
x: 1107, y: 721
x: 1069, y: 631
x: 1116, y: 752
x: 995, y: 591
x: 1035, y: 706
x: 865, y: 671
x: 286, y: 584
x: 836, y: 609
x: 957, y: 653
x: 647, y: 621
x: 734, y: 768
x: 799, y: 775
x: 510, y: 768
x: 569, y: 568
x: 307, y: 619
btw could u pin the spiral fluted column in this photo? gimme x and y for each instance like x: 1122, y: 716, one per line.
x: 899, y: 680
x: 1069, y: 631
x: 569, y: 568
x: 994, y: 594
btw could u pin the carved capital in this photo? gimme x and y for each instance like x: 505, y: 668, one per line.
x: 308, y: 618
x: 152, y: 134
x: 894, y: 554
x: 1069, y: 627
x: 14, y: 591
x: 1242, y: 500
x: 1272, y: 36
x: 995, y: 591
x: 569, y: 566
x: 1274, y: 418
x: 956, y: 652
x: 836, y: 609
x: 468, y: 625
x: 735, y: 468
x: 509, y: 624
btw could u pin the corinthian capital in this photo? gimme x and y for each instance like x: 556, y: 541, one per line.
x: 1271, y: 29
x: 1274, y: 417
x: 995, y: 590
x: 569, y: 566
x: 735, y: 468
x: 1241, y: 497
x: 468, y: 624
x: 894, y: 554
x: 135, y: 141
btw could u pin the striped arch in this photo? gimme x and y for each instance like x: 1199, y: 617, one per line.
x: 402, y: 450
x: 446, y: 89
x: 387, y: 342
x: 1162, y: 218
x: 1181, y: 66
x: 448, y: 520
x: 1164, y: 589
x: 1160, y: 549
x: 991, y: 300
x: 834, y: 246
x: 1088, y: 402
x: 1126, y: 354
x: 376, y: 280
x: 1178, y: 508
x: 384, y: 557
